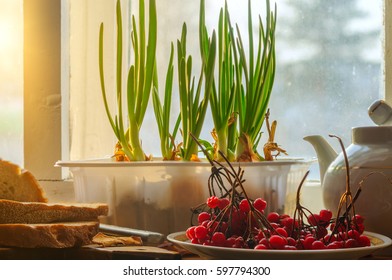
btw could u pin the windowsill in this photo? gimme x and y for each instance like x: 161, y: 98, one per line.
x: 58, y: 191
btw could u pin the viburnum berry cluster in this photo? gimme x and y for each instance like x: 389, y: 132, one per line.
x: 232, y: 219
x: 237, y: 227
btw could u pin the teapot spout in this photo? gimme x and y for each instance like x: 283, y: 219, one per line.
x: 325, y: 153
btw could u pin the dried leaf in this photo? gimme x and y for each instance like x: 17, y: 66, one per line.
x: 110, y: 241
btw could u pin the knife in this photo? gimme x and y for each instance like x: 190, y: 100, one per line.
x: 148, y: 237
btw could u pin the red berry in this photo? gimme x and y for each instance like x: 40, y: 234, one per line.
x: 288, y: 222
x: 203, y: 240
x: 212, y: 226
x: 308, y: 241
x: 321, y: 232
x: 291, y: 241
x: 203, y: 216
x: 264, y: 241
x: 351, y: 243
x: 244, y: 206
x: 341, y: 236
x: 318, y: 245
x: 205, y: 223
x: 339, y: 243
x: 342, y: 227
x: 274, y: 225
x: 230, y: 242
x: 212, y: 202
x: 358, y: 219
x: 190, y: 233
x: 223, y: 202
x: 207, y: 243
x: 353, y: 234
x: 218, y: 239
x: 273, y: 217
x: 282, y: 232
x: 260, y: 247
x: 284, y: 216
x: 330, y: 238
x: 333, y: 245
x: 314, y: 219
x: 277, y: 242
x: 200, y: 232
x: 300, y: 244
x: 289, y: 230
x: 195, y: 241
x: 290, y: 247
x: 223, y: 227
x: 239, y: 243
x: 363, y: 241
x: 325, y: 215
x: 307, y: 234
x: 260, y: 204
x: 359, y: 227
x: 260, y: 235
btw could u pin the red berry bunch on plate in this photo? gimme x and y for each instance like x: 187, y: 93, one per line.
x: 240, y: 226
x: 229, y: 218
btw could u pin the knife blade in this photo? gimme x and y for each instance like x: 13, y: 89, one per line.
x: 148, y: 237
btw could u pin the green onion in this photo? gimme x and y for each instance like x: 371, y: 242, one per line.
x: 240, y: 96
x: 192, y: 107
x: 224, y: 91
x: 256, y: 77
x: 162, y: 113
x: 139, y: 81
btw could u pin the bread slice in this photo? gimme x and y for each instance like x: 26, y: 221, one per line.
x: 57, y: 235
x: 15, y: 212
x: 18, y: 184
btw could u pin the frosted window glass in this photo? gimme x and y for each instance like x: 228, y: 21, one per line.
x: 328, y: 69
x: 11, y: 81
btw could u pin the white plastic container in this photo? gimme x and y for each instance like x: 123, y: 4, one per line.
x: 158, y: 195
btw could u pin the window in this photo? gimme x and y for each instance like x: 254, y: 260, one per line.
x: 329, y: 55
x: 11, y: 81
x: 91, y: 137
x: 284, y: 97
x: 329, y: 72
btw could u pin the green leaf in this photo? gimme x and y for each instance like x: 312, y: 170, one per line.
x: 102, y: 80
x: 139, y: 80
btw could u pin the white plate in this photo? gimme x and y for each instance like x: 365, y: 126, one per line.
x: 211, y: 252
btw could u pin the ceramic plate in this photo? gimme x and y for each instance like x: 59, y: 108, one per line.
x: 210, y: 252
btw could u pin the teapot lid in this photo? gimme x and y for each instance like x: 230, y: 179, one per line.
x: 372, y: 135
x: 380, y: 112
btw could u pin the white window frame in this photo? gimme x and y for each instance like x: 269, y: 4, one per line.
x: 387, y: 43
x: 45, y: 100
x: 46, y: 137
x: 42, y: 89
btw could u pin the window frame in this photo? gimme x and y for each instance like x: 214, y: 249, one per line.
x: 46, y: 130
x: 387, y: 44
x: 42, y: 89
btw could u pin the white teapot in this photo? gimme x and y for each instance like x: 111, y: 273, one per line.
x: 370, y: 162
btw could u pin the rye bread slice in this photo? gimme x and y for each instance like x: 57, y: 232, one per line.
x: 57, y: 235
x: 15, y: 212
x: 19, y: 184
